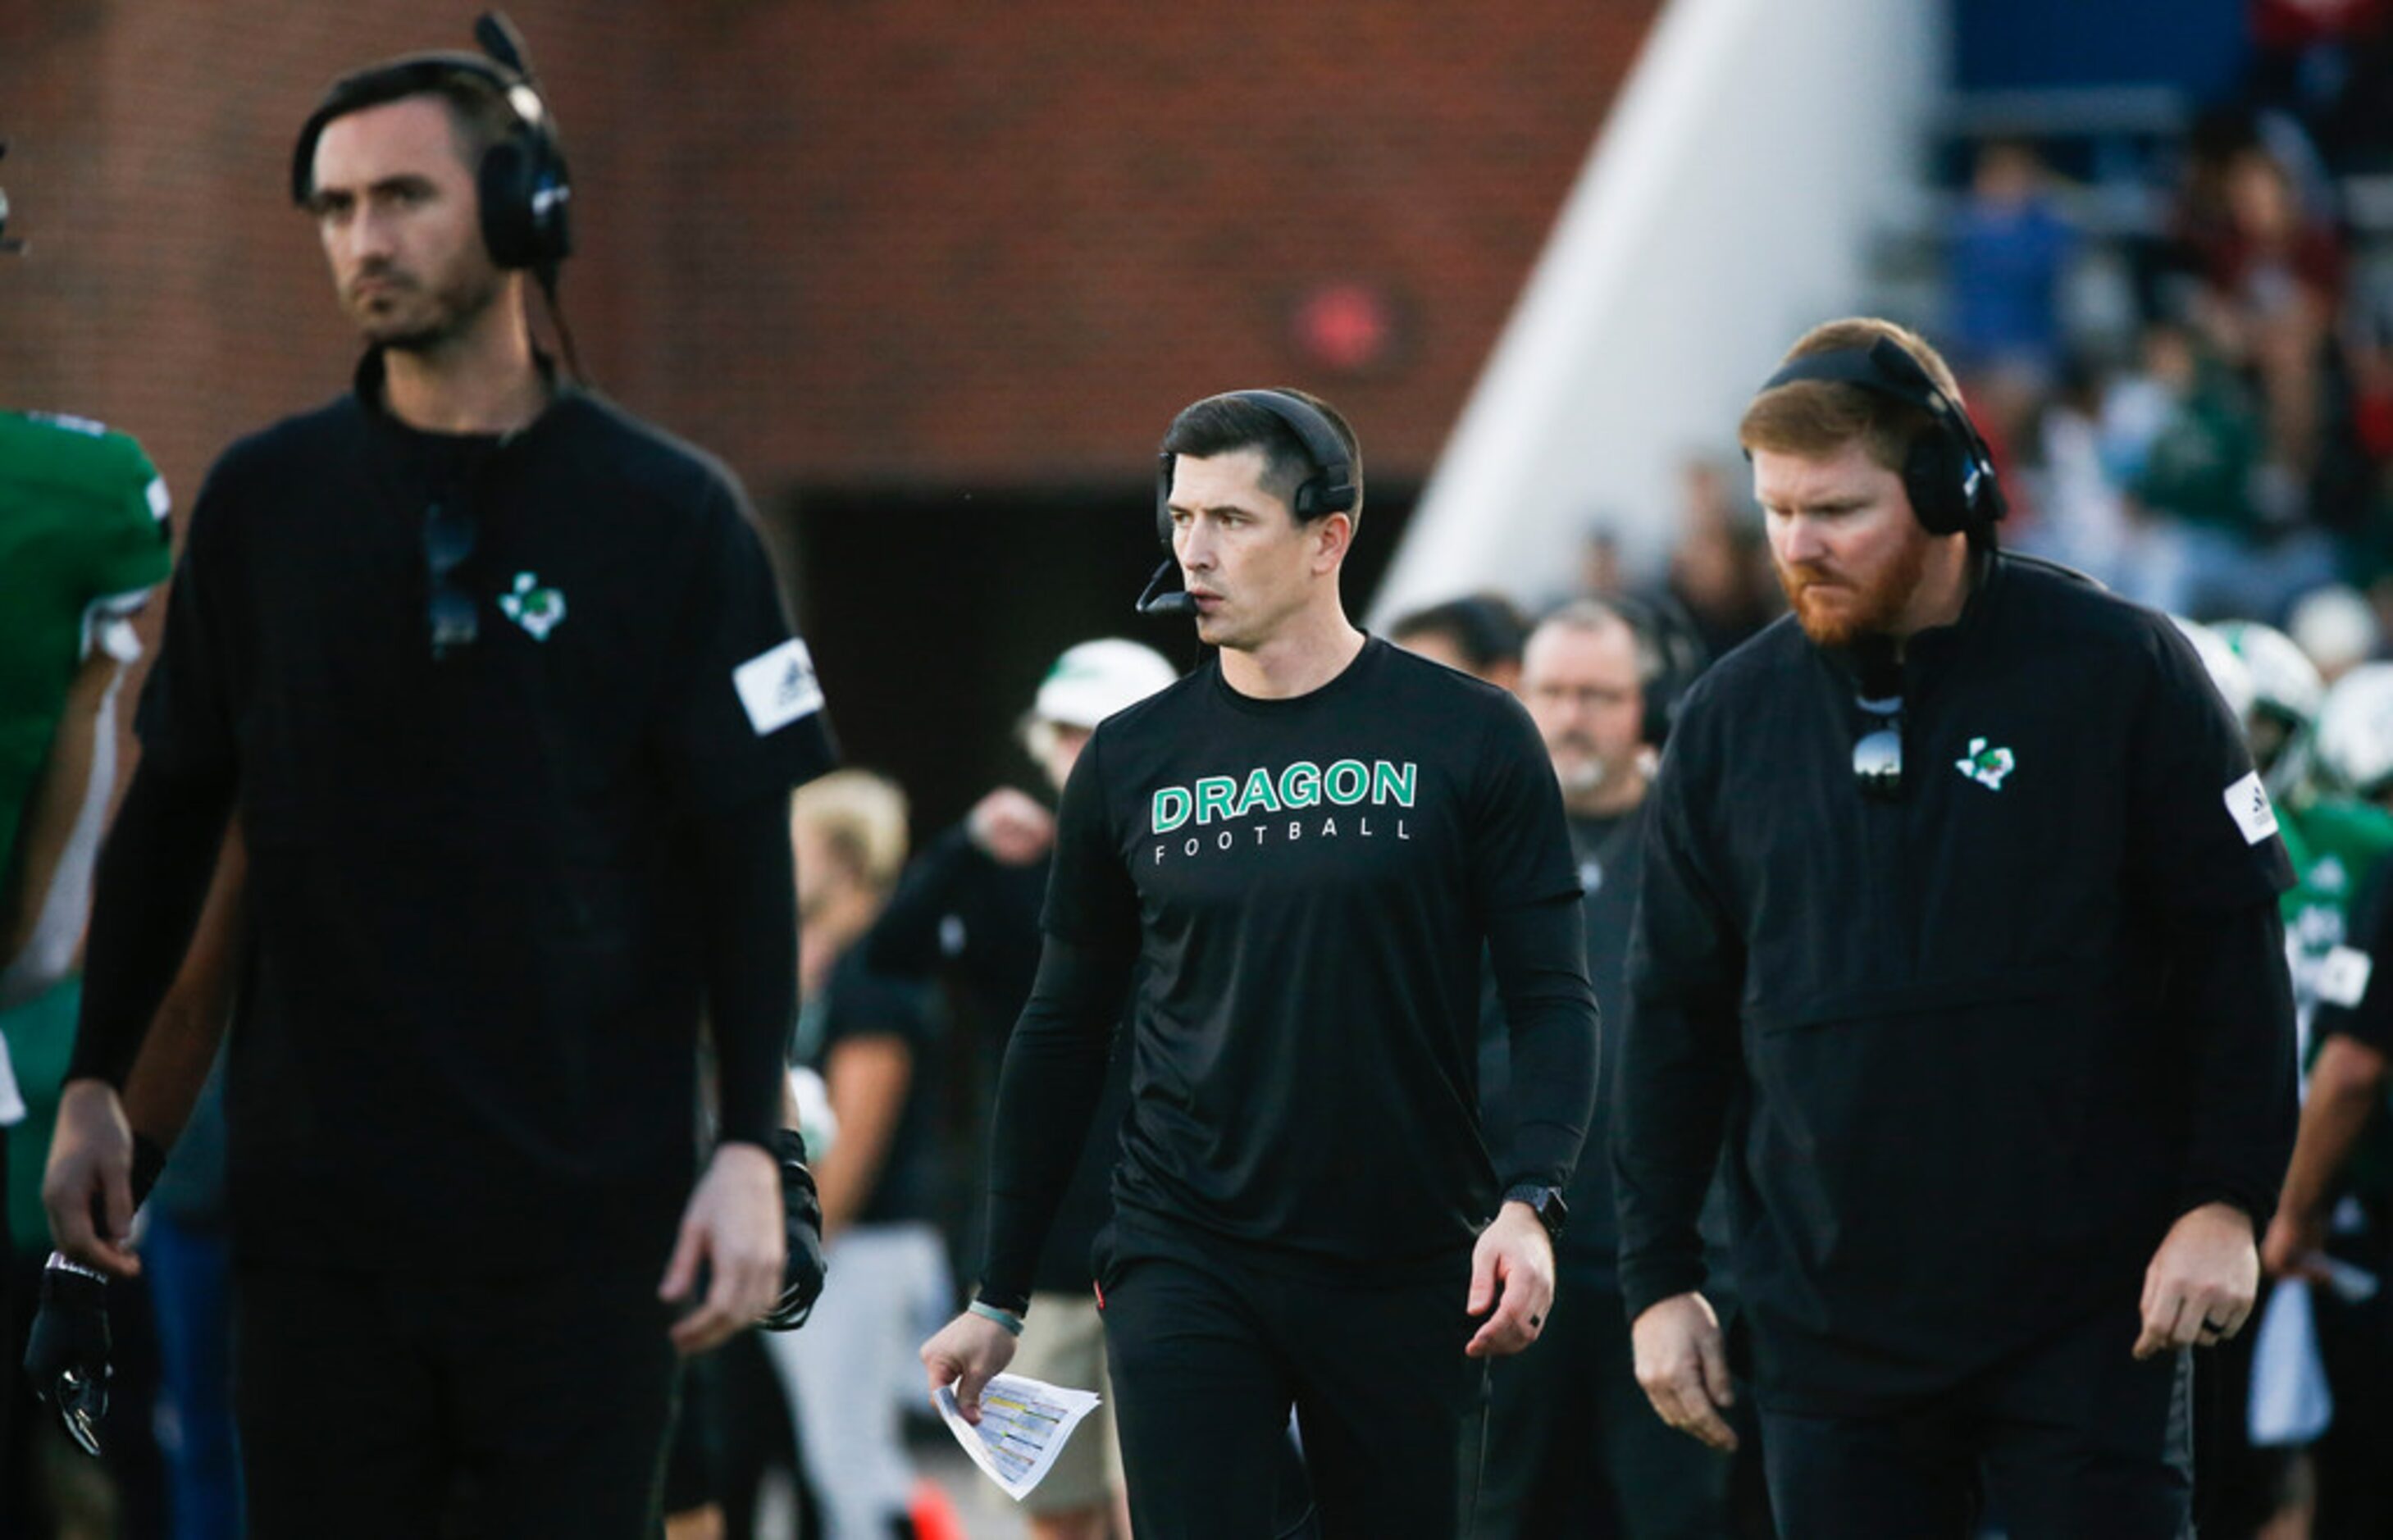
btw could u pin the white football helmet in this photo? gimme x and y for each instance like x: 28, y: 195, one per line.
x: 2227, y: 671
x: 2353, y: 742
x: 2287, y: 689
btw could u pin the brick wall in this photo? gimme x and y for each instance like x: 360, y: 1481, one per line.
x: 918, y: 241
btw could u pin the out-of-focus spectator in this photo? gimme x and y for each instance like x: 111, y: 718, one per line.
x: 2201, y: 472
x: 1720, y: 574
x: 2337, y: 626
x: 871, y: 1037
x: 2335, y: 1213
x: 1600, y: 574
x: 189, y: 1252
x: 2273, y: 276
x: 2328, y: 63
x: 968, y: 909
x: 1479, y: 633
x: 2081, y: 517
x: 2008, y: 247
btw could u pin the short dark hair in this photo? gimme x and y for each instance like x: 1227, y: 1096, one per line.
x: 1224, y: 424
x: 1484, y: 629
x: 480, y: 113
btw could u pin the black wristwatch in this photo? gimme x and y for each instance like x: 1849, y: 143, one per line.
x: 1546, y: 1203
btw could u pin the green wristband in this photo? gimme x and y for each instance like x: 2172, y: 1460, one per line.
x: 1006, y: 1318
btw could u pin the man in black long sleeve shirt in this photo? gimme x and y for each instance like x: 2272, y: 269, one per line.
x: 1960, y: 919
x: 500, y: 683
x: 1301, y: 850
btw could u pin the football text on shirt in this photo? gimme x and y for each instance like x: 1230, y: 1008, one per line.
x: 1346, y: 783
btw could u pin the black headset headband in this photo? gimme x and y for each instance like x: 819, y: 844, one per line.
x: 1952, y: 490
x: 1329, y: 489
x: 1885, y: 368
x: 394, y: 78
x: 522, y: 181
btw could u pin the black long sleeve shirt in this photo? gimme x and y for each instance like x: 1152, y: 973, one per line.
x: 490, y: 892
x: 1974, y: 1048
x: 960, y: 912
x: 1302, y: 888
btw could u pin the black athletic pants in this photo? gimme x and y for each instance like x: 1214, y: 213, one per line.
x: 1210, y: 1348
x: 435, y: 1407
x: 2073, y: 1438
x: 1574, y: 1448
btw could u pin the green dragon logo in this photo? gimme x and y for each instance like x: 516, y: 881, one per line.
x: 538, y: 611
x: 1984, y: 766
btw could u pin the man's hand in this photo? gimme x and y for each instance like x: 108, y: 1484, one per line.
x: 968, y: 1352
x: 1683, y: 1363
x: 734, y: 1226
x: 1010, y: 827
x: 66, y: 1354
x: 2202, y: 1282
x: 1512, y: 1269
x: 2294, y: 1245
x: 88, y: 1189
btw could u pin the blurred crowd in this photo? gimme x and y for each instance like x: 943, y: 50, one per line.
x: 2220, y: 447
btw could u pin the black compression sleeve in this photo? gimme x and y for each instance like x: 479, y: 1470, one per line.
x: 2232, y: 997
x: 153, y: 876
x: 905, y: 939
x: 1046, y: 1094
x: 749, y: 887
x: 1539, y: 955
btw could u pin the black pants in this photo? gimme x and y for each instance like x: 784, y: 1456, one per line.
x: 1574, y: 1448
x: 2071, y: 1440
x: 441, y: 1406
x: 1210, y: 1351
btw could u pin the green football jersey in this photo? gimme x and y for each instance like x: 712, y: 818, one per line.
x: 83, y: 538
x: 2334, y: 844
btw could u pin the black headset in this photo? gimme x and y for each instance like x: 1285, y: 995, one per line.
x: 1670, y: 654
x: 524, y: 191
x: 1948, y: 473
x: 1329, y: 489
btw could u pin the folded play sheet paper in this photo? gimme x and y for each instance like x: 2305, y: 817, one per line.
x: 1023, y: 1426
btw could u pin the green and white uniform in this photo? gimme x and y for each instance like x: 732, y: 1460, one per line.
x: 2334, y: 844
x: 83, y: 540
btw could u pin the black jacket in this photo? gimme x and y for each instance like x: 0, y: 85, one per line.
x: 1974, y: 1050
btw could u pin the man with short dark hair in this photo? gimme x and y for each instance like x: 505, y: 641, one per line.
x: 1479, y: 633
x: 1960, y: 921
x: 499, y: 681
x: 1299, y: 852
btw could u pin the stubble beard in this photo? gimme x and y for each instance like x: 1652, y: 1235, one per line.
x: 449, y: 311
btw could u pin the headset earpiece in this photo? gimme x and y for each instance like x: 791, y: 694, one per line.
x: 1329, y: 489
x: 1670, y: 654
x: 522, y: 183
x: 1948, y: 473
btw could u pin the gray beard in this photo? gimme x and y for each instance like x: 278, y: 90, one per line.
x: 1589, y: 776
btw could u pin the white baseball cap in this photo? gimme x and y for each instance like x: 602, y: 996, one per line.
x: 1094, y: 679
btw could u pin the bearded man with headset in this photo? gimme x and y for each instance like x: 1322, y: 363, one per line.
x: 1960, y: 924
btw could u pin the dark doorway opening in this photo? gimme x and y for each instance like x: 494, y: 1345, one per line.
x: 934, y: 613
